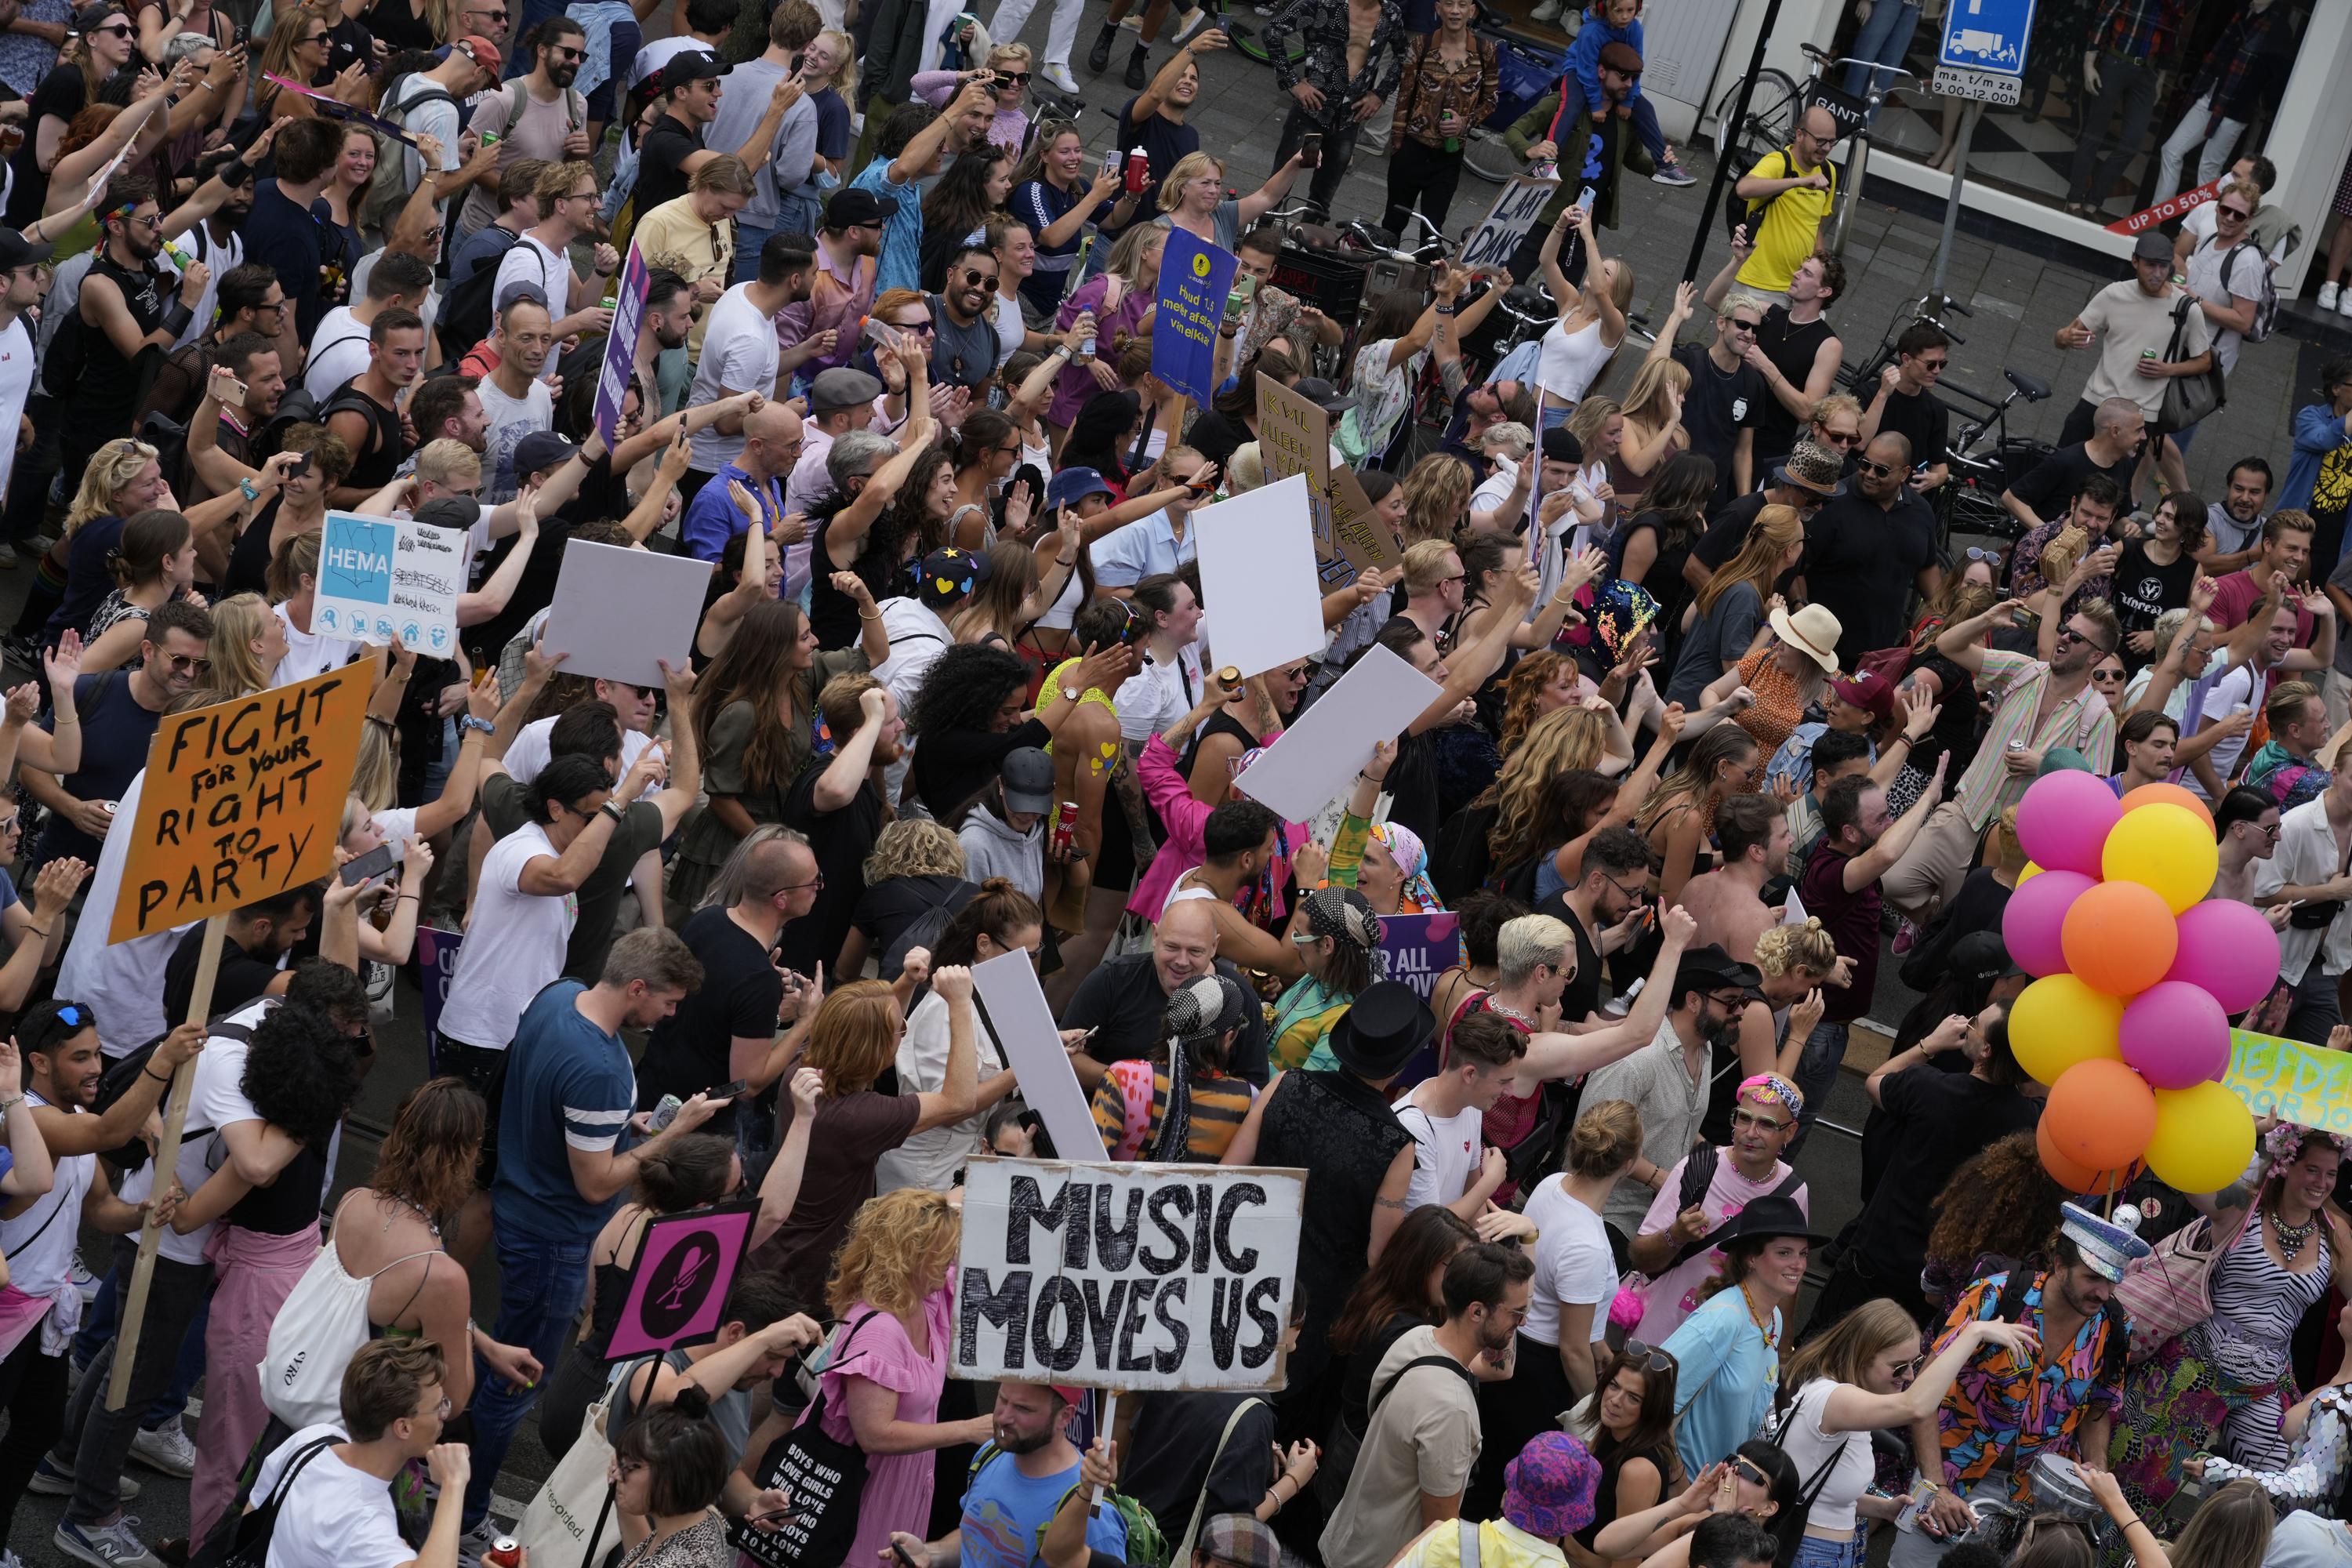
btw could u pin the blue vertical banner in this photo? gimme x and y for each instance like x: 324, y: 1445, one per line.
x: 621, y: 346
x: 1194, y: 279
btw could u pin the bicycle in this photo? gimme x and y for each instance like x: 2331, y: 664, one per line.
x: 1772, y: 110
x: 1925, y: 311
x: 1986, y: 459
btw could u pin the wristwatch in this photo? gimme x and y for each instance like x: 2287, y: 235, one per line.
x: 609, y: 809
x: 1071, y: 694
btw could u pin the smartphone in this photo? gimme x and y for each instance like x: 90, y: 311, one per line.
x: 1238, y: 300
x: 906, y: 1558
x: 1225, y: 25
x: 301, y: 466
x: 794, y: 65
x: 1310, y: 149
x: 375, y: 863
x: 238, y: 390
x: 1113, y: 162
x: 735, y: 1090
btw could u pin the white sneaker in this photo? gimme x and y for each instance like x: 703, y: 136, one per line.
x: 2344, y: 302
x: 85, y: 1283
x: 165, y: 1448
x: 1188, y: 24
x: 115, y: 1545
x: 2327, y: 295
x: 1059, y: 75
x: 1547, y: 12
x: 49, y: 1480
x: 1132, y: 22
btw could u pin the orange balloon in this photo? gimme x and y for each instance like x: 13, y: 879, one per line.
x: 2076, y: 1177
x: 2167, y: 795
x: 2100, y: 1115
x: 2119, y: 938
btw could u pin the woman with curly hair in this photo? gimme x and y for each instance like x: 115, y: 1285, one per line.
x: 1998, y: 1211
x: 755, y: 725
x: 1542, y: 682
x: 892, y: 1291
x: 959, y: 203
x: 974, y: 707
x: 1677, y: 820
x: 915, y: 867
x: 1587, y: 738
x: 1436, y: 498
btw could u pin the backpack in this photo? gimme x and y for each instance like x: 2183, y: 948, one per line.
x: 389, y: 187
x: 1750, y: 215
x: 120, y: 1075
x: 2266, y: 302
x: 63, y: 365
x: 467, y: 308
x: 242, y: 1540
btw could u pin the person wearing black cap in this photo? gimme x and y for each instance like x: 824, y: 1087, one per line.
x: 1569, y: 513
x: 916, y: 623
x: 673, y: 150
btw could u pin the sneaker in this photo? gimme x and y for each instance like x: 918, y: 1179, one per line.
x: 115, y: 1545
x: 1671, y: 173
x: 52, y: 1480
x: 1098, y: 58
x: 1188, y: 24
x: 1138, y: 68
x: 7, y: 563
x: 475, y: 1541
x: 1132, y: 22
x: 165, y: 1448
x: 87, y: 1284
x: 2344, y: 302
x: 2327, y: 295
x: 1059, y: 76
x: 1907, y: 936
x: 10, y: 1560
x: 1547, y: 12
x: 41, y: 544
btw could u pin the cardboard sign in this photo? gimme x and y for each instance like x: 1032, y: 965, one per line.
x: 1317, y: 757
x: 619, y: 612
x: 1195, y: 277
x: 2310, y: 1085
x: 1295, y: 438
x: 678, y: 1285
x: 243, y: 800
x: 379, y: 576
x: 1006, y: 986
x: 1508, y: 222
x: 1126, y: 1276
x: 1258, y: 567
x: 436, y: 954
x: 620, y: 343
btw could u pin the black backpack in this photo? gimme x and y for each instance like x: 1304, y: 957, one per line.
x: 1738, y: 215
x: 468, y: 308
x: 925, y: 929
x: 120, y: 1075
x: 242, y: 1540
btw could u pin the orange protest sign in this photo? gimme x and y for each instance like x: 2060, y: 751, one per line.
x: 243, y: 800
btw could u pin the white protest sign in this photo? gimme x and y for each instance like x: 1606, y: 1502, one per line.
x: 1257, y: 572
x: 1315, y: 758
x: 1513, y: 215
x: 379, y: 576
x: 1024, y: 1027
x: 1126, y: 1277
x: 619, y: 612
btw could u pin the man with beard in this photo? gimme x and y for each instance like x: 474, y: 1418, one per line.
x: 673, y: 150
x: 365, y: 412
x: 515, y: 401
x: 739, y: 350
x: 843, y: 284
x: 250, y: 299
x: 1861, y: 842
x: 536, y: 114
x: 668, y: 321
x: 1028, y: 1466
x: 62, y: 1069
x: 449, y: 408
x: 964, y: 341
x: 2233, y: 525
x: 221, y: 430
x: 1668, y: 1246
x: 839, y: 808
x: 567, y: 199
x: 1479, y: 409
x: 254, y: 943
x: 128, y: 306
x: 1422, y: 1442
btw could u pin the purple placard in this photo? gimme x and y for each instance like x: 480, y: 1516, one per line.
x: 1417, y: 949
x: 678, y: 1286
x: 436, y: 958
x: 621, y: 345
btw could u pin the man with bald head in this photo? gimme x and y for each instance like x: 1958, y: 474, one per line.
x: 752, y: 486
x: 1866, y: 549
x: 735, y: 1024
x: 1797, y: 186
x: 1125, y: 1000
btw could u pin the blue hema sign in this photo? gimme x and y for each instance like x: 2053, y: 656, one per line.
x: 1984, y: 49
x: 355, y: 561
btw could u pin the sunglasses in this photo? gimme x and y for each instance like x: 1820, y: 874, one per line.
x: 984, y: 279
x: 1649, y: 1358
x: 1880, y: 469
x: 566, y: 55
x: 2238, y: 214
x: 1843, y: 437
x: 185, y: 661
x: 1977, y: 552
x: 922, y: 326
x: 1012, y: 78
x: 2068, y: 633
x: 124, y: 30
x: 1743, y: 326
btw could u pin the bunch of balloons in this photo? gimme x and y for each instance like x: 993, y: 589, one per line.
x: 2128, y: 1018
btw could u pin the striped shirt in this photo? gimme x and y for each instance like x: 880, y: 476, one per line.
x: 1219, y: 1105
x: 2083, y: 721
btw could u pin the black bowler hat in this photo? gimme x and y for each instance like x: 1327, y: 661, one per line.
x: 1768, y: 1217
x: 1378, y: 1035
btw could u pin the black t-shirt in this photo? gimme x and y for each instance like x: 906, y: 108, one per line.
x: 1181, y: 1446
x: 1163, y: 141
x: 1940, y: 1120
x: 1124, y: 1001
x: 739, y: 994
x: 952, y: 767
x: 1216, y: 437
x: 669, y: 144
x: 1922, y: 420
x: 116, y: 733
x: 1862, y: 563
x: 63, y: 94
x: 2053, y: 483
x: 241, y: 979
x: 1718, y: 408
x: 2144, y: 590
x: 1791, y: 348
x: 291, y: 242
x: 506, y: 805
x: 373, y: 464
x: 841, y: 839
x: 887, y: 908
x: 601, y: 496
x: 1729, y: 531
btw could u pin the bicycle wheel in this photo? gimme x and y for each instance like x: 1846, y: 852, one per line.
x: 1486, y: 156
x: 1771, y: 117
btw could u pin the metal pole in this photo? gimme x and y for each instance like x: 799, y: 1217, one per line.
x: 1724, y: 172
x: 1968, y: 118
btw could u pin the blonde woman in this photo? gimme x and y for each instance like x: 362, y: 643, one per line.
x: 829, y: 78
x: 1726, y: 614
x: 1654, y: 427
x: 915, y: 869
x: 1569, y: 739
x: 1012, y: 66
x: 1436, y: 498
x: 1120, y: 300
x: 1192, y: 198
x: 1578, y: 347
x: 122, y: 479
x: 248, y: 640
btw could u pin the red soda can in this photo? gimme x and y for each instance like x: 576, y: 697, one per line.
x: 1066, y: 827
x: 504, y: 1553
x: 1138, y: 170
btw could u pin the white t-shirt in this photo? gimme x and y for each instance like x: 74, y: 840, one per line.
x: 1157, y: 695
x: 531, y: 750
x: 930, y: 1160
x: 1445, y: 1155
x: 16, y: 385
x: 739, y: 355
x: 530, y: 261
x: 218, y: 256
x: 514, y: 945
x: 309, y: 653
x: 2234, y: 693
x: 121, y: 983
x: 339, y: 351
x: 1573, y: 1264
x: 917, y: 637
x: 215, y: 1101
x: 1011, y: 332
x: 364, y: 269
x: 1495, y: 488
x: 331, y: 1512
x: 510, y: 419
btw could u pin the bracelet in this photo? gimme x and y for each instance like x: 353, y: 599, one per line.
x: 245, y: 485
x: 417, y: 896
x: 8, y: 1105
x: 36, y: 930
x: 149, y: 1071
x: 864, y: 616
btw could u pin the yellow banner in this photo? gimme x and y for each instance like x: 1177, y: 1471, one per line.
x: 2308, y: 1085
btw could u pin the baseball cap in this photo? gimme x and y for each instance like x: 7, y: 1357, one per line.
x: 2151, y: 245
x: 17, y: 251
x: 850, y: 207
x: 1872, y: 691
x: 1071, y: 486
x: 1981, y: 956
x: 947, y: 574
x: 524, y: 289
x: 690, y: 66
x: 1711, y: 968
x: 842, y: 387
x: 484, y: 53
x: 449, y: 512
x: 1027, y: 774
x: 1322, y: 393
x: 541, y: 450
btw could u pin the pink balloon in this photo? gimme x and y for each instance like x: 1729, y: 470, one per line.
x: 2036, y: 912
x: 2065, y: 818
x: 2228, y: 949
x: 2176, y: 1036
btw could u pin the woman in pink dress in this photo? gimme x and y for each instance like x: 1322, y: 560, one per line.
x: 893, y: 1287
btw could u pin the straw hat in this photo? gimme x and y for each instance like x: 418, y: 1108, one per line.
x: 1814, y: 631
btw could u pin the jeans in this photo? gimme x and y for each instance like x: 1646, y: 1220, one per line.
x: 1337, y: 128
x: 2313, y: 1010
x: 1817, y: 1069
x: 1645, y: 118
x: 1885, y: 38
x: 534, y: 12
x: 627, y: 39
x: 95, y: 1441
x: 541, y: 1286
x: 748, y: 241
x: 2127, y: 83
x: 97, y: 1331
x: 2190, y: 132
x: 1812, y: 1551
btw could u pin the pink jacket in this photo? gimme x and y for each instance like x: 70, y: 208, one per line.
x: 1187, y: 821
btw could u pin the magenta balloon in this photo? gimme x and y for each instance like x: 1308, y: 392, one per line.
x: 2228, y: 949
x: 2063, y: 821
x: 2176, y: 1036
x: 2031, y: 923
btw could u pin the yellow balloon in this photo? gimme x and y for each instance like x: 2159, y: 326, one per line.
x: 2204, y: 1136
x: 2058, y: 1021
x: 2163, y: 847
x: 2030, y: 871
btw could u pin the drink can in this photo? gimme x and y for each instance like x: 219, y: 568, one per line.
x: 611, y: 301
x: 1066, y: 827
x: 2017, y: 745
x: 506, y: 1551
x: 1138, y: 170
x: 2148, y: 353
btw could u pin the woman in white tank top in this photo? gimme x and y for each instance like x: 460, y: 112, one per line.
x: 1591, y: 321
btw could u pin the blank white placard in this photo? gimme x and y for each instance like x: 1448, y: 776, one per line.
x: 618, y: 613
x: 1258, y: 580
x: 1316, y: 757
x: 1023, y: 1026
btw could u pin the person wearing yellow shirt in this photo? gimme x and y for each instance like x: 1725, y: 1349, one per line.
x: 1798, y: 188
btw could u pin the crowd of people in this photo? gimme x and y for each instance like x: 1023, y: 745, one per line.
x: 1723, y: 726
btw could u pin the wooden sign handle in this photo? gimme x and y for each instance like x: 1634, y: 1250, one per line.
x: 167, y: 1155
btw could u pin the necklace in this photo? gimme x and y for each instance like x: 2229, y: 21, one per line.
x: 2291, y: 1238
x: 1763, y: 1319
x: 1513, y: 1014
x: 419, y: 1209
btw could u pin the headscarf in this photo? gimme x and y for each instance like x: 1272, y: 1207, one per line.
x: 1773, y: 1086
x: 1200, y: 1009
x: 1404, y: 846
x: 1344, y: 915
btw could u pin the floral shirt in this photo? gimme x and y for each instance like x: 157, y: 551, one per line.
x: 1324, y: 26
x: 1431, y: 87
x: 2001, y: 1411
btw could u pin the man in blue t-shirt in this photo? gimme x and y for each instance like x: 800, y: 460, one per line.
x: 1016, y: 1483
x: 913, y: 145
x: 562, y: 1167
